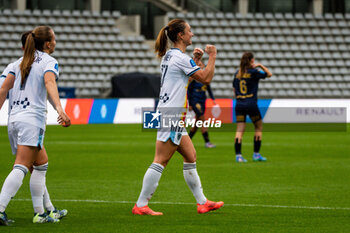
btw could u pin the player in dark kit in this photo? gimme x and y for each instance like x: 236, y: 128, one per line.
x: 246, y: 84
x: 196, y: 94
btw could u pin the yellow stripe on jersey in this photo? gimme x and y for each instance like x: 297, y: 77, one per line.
x: 183, y: 115
x: 185, y: 104
x: 244, y: 96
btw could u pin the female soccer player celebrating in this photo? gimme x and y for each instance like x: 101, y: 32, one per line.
x: 33, y: 77
x: 245, y: 86
x: 177, y: 68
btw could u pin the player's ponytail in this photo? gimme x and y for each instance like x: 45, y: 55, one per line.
x: 173, y: 28
x: 161, y: 42
x: 34, y: 41
x: 24, y: 38
x: 28, y: 57
x: 245, y: 63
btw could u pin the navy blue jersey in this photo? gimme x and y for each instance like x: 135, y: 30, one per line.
x: 246, y: 87
x: 196, y: 92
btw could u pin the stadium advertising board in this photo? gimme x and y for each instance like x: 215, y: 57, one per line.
x: 308, y: 111
x: 130, y: 110
x: 52, y: 114
x: 90, y: 111
x: 79, y: 110
x: 103, y: 111
x: 222, y: 110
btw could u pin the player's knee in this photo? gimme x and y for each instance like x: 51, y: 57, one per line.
x: 163, y: 163
x: 41, y: 161
x: 257, y: 137
x: 27, y: 164
x: 239, y: 136
x: 258, y: 125
x: 258, y: 128
x: 194, y: 156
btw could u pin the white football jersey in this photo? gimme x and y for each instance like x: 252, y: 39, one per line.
x: 176, y: 68
x: 3, y: 76
x: 29, y: 100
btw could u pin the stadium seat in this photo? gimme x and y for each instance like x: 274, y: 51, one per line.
x: 305, y: 52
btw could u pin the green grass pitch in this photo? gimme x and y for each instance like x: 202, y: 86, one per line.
x: 96, y: 172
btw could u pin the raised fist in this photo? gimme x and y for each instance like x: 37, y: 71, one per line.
x: 198, y: 53
x: 210, y: 49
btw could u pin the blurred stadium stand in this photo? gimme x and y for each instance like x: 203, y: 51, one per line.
x: 308, y: 55
x: 90, y: 48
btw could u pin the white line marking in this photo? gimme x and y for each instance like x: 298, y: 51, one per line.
x: 186, y: 203
x: 151, y: 143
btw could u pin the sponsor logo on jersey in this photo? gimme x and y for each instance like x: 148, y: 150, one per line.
x: 25, y: 103
x: 56, y: 67
x: 193, y: 64
x: 164, y: 98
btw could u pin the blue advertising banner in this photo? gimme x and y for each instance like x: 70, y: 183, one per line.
x: 103, y: 111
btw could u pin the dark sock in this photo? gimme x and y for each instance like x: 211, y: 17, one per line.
x: 206, y: 137
x: 238, y: 147
x: 191, y: 134
x: 257, y: 145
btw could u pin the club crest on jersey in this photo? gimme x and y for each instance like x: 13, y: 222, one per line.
x: 193, y: 64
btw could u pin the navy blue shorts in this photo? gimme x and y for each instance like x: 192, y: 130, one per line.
x: 198, y: 108
x: 243, y: 110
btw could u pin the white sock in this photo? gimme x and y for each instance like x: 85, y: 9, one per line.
x: 11, y: 185
x: 37, y: 187
x: 47, y: 202
x: 150, y: 183
x: 194, y: 183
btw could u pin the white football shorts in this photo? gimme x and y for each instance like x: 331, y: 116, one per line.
x: 21, y: 133
x: 165, y: 135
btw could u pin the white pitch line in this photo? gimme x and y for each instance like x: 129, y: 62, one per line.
x: 151, y: 143
x: 186, y: 203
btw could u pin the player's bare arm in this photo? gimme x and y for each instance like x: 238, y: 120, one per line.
x: 264, y: 68
x: 51, y: 87
x: 6, y: 86
x: 205, y: 76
